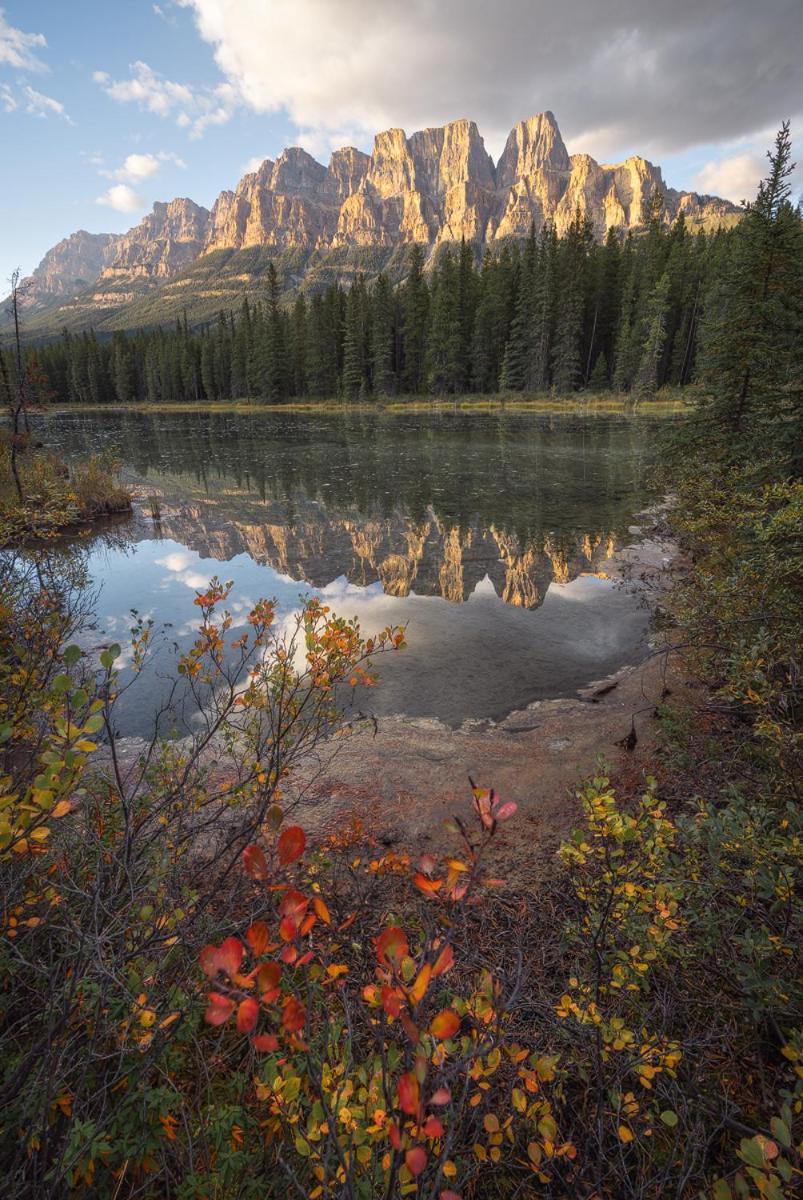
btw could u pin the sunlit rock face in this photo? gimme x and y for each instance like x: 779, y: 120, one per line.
x: 428, y: 558
x: 439, y: 185
x: 169, y: 238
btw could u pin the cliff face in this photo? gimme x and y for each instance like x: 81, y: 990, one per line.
x: 438, y: 185
x: 67, y: 268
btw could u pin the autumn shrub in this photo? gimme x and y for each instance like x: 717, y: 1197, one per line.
x: 55, y: 496
x: 199, y: 1001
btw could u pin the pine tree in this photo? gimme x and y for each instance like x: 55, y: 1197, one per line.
x: 415, y: 313
x: 753, y: 335
x: 518, y: 371
x: 382, y: 337
x: 444, y: 337
x: 647, y: 376
x: 355, y: 343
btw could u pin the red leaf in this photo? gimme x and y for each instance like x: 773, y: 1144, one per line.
x: 287, y: 929
x: 293, y: 905
x: 416, y: 1160
x: 506, y: 811
x: 247, y: 1015
x: 409, y: 1093
x: 266, y: 1041
x: 449, y: 1195
x: 433, y: 1127
x: 291, y: 844
x: 258, y: 937
x: 409, y: 1027
x: 445, y: 1025
x: 294, y: 1015
x: 219, y: 1010
x: 226, y: 957
x: 289, y: 955
x: 392, y: 946
x: 394, y: 1135
x: 255, y: 863
x: 230, y: 955
x: 441, y: 1096
x: 391, y: 1001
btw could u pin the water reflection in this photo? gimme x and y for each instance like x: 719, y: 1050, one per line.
x: 488, y: 535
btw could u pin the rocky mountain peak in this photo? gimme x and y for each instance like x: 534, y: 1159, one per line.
x: 437, y: 186
x: 533, y: 145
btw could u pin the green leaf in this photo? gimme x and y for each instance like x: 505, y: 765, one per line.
x: 722, y: 1191
x: 669, y: 1118
x: 60, y: 684
x: 780, y: 1131
x: 71, y: 655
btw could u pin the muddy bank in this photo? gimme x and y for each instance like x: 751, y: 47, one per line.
x: 409, y: 774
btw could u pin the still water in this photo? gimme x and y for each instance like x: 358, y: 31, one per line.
x: 487, y: 534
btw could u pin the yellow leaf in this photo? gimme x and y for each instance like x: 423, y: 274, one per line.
x: 625, y: 1134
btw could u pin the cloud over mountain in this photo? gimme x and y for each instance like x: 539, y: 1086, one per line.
x: 657, y: 75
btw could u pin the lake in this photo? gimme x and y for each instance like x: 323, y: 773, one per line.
x: 488, y: 534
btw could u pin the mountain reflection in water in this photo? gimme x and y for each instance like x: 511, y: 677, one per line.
x: 488, y: 535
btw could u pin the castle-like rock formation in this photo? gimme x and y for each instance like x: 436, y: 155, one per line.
x: 439, y: 185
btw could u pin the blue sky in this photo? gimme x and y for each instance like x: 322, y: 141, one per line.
x: 106, y: 107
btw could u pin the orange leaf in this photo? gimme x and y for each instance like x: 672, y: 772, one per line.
x: 287, y: 929
x: 419, y: 988
x: 322, y: 910
x: 445, y: 1025
x: 392, y: 946
x: 247, y: 1015
x: 428, y: 886
x: 443, y: 962
x: 291, y: 844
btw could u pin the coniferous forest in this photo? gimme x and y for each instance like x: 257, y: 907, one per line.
x: 554, y: 314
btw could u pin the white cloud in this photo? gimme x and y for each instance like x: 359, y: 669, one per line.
x: 40, y: 105
x: 638, y: 76
x: 736, y: 178
x: 24, y: 98
x: 17, y: 48
x: 191, y: 108
x: 253, y: 164
x: 138, y: 167
x: 122, y: 198
x: 7, y: 98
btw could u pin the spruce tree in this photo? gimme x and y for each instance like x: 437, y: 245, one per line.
x: 415, y: 314
x: 647, y: 376
x: 753, y: 335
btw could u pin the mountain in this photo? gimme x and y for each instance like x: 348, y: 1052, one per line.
x: 358, y: 214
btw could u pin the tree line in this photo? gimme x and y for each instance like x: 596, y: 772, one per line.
x: 555, y: 314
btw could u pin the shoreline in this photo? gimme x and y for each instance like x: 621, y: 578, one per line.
x: 591, y: 406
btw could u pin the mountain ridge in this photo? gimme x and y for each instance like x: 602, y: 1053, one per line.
x: 438, y: 185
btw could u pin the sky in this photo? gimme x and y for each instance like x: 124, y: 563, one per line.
x: 109, y: 105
